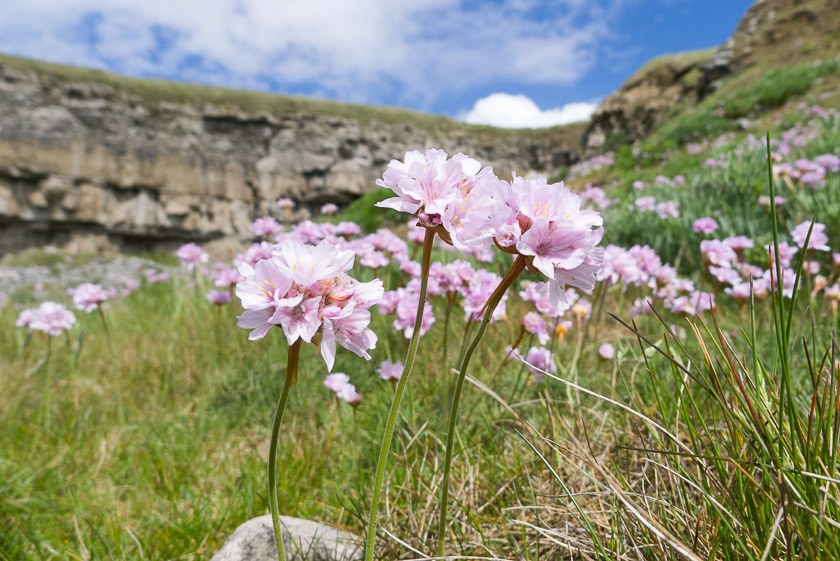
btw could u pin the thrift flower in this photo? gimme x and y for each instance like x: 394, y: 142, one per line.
x: 606, y: 351
x: 190, y: 255
x: 87, y: 297
x: 705, y: 225
x: 219, y: 297
x: 390, y: 370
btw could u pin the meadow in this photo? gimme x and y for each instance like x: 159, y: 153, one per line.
x: 687, y: 407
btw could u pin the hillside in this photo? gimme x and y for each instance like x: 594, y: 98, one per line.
x: 771, y: 49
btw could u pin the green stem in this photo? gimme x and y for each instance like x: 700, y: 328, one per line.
x: 395, y: 404
x: 273, y: 504
x: 514, y: 272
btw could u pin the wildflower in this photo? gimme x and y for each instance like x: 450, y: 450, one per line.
x: 87, y: 297
x: 50, y: 317
x: 219, y: 297
x: 717, y: 253
x: 540, y: 360
x: 606, y: 351
x: 646, y: 203
x: 668, y: 209
x: 265, y: 226
x: 426, y: 183
x: 818, y: 237
x: 348, y: 393
x: 190, y: 255
x: 705, y: 225
x: 329, y: 209
x: 305, y: 291
x: 336, y: 381
x: 534, y: 324
x: 390, y: 370
x: 285, y: 203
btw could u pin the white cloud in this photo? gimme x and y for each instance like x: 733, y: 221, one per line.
x: 520, y: 111
x: 415, y: 51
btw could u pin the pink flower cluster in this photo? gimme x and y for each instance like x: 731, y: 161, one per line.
x: 190, y: 256
x: 473, y: 208
x: 87, y: 297
x: 50, y: 318
x: 339, y: 384
x: 305, y: 291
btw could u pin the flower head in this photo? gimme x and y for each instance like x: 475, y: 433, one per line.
x: 390, y: 370
x: 190, y: 255
x: 305, y: 291
x: 87, y: 297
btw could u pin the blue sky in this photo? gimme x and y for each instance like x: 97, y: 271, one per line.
x: 505, y: 62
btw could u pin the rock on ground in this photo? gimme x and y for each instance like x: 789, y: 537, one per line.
x: 304, y: 540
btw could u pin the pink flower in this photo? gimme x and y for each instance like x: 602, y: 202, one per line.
x: 818, y: 238
x: 348, y: 393
x: 829, y: 162
x: 336, y: 381
x: 717, y: 253
x: 348, y: 229
x: 26, y: 317
x: 219, y: 297
x: 306, y: 265
x: 705, y: 225
x: 154, y: 276
x: 545, y: 222
x: 227, y: 277
x: 606, y: 351
x: 540, y: 360
x: 329, y: 209
x: 51, y: 318
x: 305, y: 291
x: 534, y: 324
x: 190, y: 255
x: 285, y: 203
x: 87, y: 297
x: 390, y: 370
x: 646, y: 203
x: 739, y: 243
x: 374, y: 260
x: 265, y: 226
x: 668, y: 209
x: 426, y: 182
x: 786, y: 253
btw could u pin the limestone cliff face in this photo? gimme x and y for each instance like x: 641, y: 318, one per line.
x: 87, y: 163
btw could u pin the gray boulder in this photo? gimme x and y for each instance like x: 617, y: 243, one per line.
x: 304, y: 540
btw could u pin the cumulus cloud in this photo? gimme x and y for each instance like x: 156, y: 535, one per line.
x: 411, y: 51
x: 520, y: 111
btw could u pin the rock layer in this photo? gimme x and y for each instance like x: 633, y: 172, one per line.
x: 93, y: 163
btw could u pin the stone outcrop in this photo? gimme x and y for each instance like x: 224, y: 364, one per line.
x: 93, y: 162
x: 303, y: 540
x: 645, y: 100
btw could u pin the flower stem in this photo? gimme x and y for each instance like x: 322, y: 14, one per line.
x: 274, y: 506
x: 514, y: 272
x: 395, y: 404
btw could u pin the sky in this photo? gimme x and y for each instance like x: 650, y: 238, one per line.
x: 510, y: 63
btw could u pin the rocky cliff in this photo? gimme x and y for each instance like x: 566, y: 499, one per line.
x: 89, y: 159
